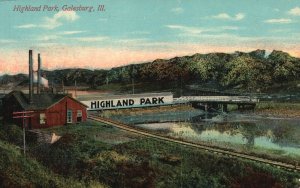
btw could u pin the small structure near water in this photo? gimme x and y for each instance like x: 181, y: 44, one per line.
x: 46, y: 109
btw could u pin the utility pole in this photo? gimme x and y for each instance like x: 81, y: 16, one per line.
x: 75, y: 89
x: 52, y: 86
x: 63, y: 86
x: 132, y: 85
x: 24, y: 115
x: 133, y: 71
x: 107, y: 80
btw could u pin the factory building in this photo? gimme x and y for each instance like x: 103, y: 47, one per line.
x: 46, y: 109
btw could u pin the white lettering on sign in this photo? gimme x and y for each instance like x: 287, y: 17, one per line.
x: 154, y: 100
x: 111, y: 103
x: 128, y: 102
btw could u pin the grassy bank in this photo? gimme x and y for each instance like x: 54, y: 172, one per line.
x: 278, y: 109
x: 87, y: 152
x: 91, y: 152
x: 148, y: 110
x: 17, y: 170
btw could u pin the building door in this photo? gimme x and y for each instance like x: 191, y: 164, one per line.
x: 79, y: 115
x: 69, y: 116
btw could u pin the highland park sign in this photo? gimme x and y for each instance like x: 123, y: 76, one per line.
x: 128, y: 102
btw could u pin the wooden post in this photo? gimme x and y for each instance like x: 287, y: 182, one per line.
x: 39, y: 74
x: 24, y: 139
x: 23, y: 115
x: 75, y: 89
x: 132, y: 80
x: 224, y: 108
x: 30, y: 77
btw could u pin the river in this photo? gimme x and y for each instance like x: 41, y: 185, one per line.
x: 277, y: 137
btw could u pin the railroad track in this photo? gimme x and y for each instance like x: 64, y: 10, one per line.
x: 287, y: 166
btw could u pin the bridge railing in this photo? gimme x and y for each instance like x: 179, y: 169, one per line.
x: 216, y: 99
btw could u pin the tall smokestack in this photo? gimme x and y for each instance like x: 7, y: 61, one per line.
x: 39, y: 74
x: 30, y: 76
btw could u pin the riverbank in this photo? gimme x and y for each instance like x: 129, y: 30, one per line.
x: 89, y: 154
x: 148, y: 110
x: 278, y: 109
x: 146, y: 162
x: 264, y: 108
x: 270, y: 137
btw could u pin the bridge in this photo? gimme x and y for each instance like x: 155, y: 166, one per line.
x: 226, y: 99
x: 207, y: 103
x: 218, y: 102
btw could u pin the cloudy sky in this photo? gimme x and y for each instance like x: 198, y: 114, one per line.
x: 135, y: 31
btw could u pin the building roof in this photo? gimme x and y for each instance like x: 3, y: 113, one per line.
x: 39, y: 101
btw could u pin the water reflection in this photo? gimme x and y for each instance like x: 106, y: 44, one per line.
x: 237, y: 131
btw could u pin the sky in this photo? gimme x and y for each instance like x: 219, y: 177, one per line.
x: 134, y: 31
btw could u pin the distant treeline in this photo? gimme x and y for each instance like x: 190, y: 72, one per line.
x: 251, y: 71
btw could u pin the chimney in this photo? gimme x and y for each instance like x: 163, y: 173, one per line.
x: 39, y: 74
x: 30, y: 77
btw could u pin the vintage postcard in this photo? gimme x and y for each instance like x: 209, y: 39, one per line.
x: 137, y: 93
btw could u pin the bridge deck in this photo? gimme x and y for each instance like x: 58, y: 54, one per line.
x: 217, y: 99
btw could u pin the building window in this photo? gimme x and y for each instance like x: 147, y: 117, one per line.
x: 42, y: 118
x: 69, y: 116
x: 79, y: 115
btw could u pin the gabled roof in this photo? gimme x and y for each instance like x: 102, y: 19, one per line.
x: 40, y: 101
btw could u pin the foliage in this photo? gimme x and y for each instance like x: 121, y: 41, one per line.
x: 150, y: 163
x: 279, y: 109
x: 286, y: 68
x: 246, y: 71
x: 143, y: 162
x: 11, y: 133
x: 19, y: 171
x: 199, y: 169
x: 16, y: 170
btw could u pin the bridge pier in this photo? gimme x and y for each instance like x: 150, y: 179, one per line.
x: 216, y: 103
x: 246, y: 106
x: 224, y: 108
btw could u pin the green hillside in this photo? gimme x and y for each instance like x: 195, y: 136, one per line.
x: 19, y: 171
x: 254, y: 71
x: 90, y: 154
